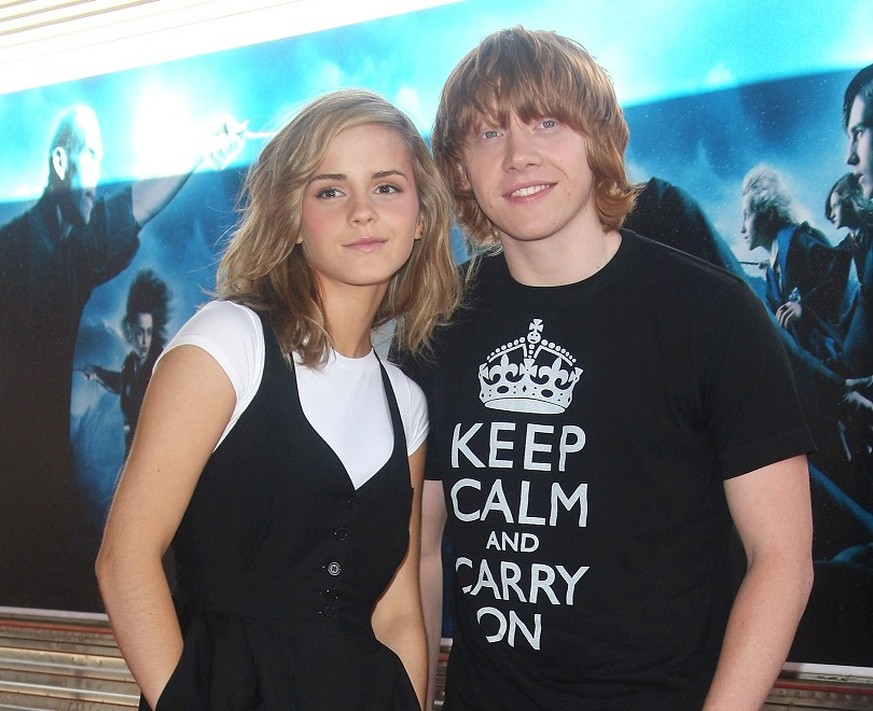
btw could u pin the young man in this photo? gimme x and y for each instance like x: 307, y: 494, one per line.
x: 858, y: 122
x: 601, y: 412
x: 857, y: 357
x: 808, y: 288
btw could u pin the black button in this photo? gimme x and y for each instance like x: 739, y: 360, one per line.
x: 341, y: 533
x: 334, y: 568
x: 331, y: 594
x: 329, y: 611
x: 352, y: 502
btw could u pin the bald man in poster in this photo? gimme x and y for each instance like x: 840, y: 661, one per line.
x: 51, y: 258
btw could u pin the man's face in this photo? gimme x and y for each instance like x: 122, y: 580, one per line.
x: 751, y: 227
x: 532, y: 180
x: 860, y: 156
x: 82, y: 174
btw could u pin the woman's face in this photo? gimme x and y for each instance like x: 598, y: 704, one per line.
x: 140, y: 334
x: 360, y: 210
x: 842, y: 211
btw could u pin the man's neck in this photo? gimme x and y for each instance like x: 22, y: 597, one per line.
x: 551, y: 262
x: 774, y: 251
x: 63, y: 228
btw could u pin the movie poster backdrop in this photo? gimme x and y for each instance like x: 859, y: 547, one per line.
x: 709, y: 92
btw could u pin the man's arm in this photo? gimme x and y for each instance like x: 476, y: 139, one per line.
x: 149, y: 197
x: 824, y: 278
x: 771, y: 511
x: 433, y: 519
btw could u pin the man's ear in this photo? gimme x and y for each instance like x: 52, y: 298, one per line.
x: 59, y: 162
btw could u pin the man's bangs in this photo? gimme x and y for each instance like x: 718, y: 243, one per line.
x: 496, y: 104
x: 545, y: 106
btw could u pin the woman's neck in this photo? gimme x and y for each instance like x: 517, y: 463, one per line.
x: 350, y: 315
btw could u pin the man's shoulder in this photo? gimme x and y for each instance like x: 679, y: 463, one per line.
x: 482, y: 277
x: 444, y: 342
x: 804, y: 233
x: 664, y: 262
x: 694, y: 291
x: 485, y: 272
x: 19, y: 224
x: 16, y: 239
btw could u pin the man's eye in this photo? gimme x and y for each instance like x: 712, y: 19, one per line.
x: 549, y: 123
x: 490, y: 133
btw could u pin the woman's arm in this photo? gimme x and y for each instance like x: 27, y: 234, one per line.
x: 186, y: 408
x: 397, y: 620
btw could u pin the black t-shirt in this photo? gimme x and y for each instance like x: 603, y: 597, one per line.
x: 582, y: 434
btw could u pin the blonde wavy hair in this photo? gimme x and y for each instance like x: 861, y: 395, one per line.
x: 264, y: 269
x: 534, y: 74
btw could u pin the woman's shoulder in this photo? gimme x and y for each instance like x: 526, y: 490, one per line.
x: 229, y: 332
x: 403, y: 385
x: 218, y: 316
x: 412, y: 404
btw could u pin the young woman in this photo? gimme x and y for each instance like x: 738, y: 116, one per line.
x: 277, y: 453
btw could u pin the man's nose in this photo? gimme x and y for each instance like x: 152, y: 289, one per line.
x: 852, y: 154
x: 521, y: 150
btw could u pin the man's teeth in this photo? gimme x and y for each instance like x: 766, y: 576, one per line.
x: 524, y: 192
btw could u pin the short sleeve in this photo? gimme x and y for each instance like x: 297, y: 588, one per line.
x: 412, y: 405
x: 420, y: 371
x: 233, y: 335
x: 754, y: 413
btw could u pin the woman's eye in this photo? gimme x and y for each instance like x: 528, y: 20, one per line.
x: 387, y: 189
x: 326, y: 193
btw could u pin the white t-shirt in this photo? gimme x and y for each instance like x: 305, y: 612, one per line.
x: 344, y: 401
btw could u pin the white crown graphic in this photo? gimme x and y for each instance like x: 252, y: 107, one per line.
x: 529, y: 375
